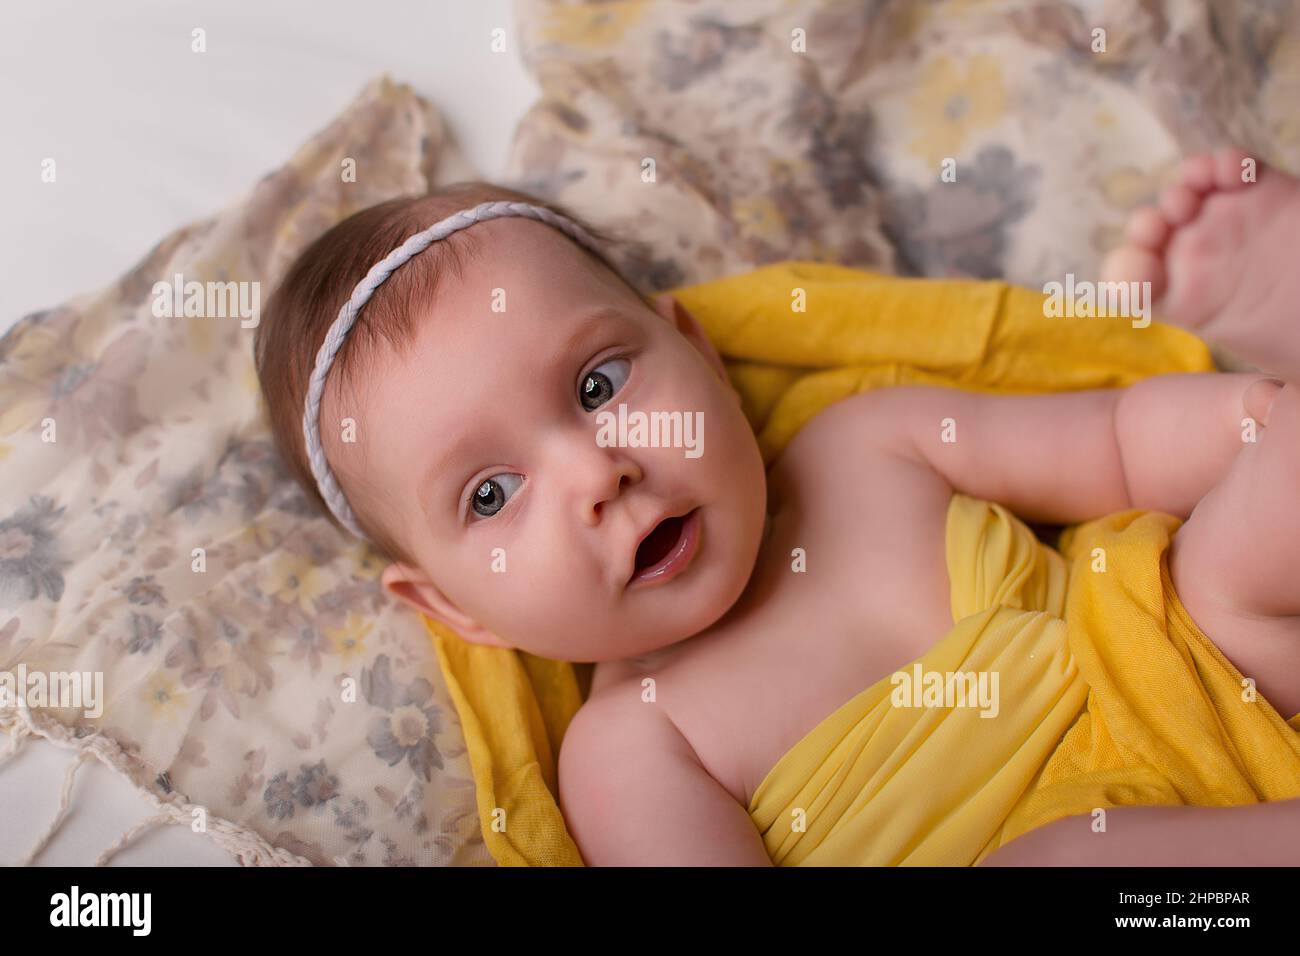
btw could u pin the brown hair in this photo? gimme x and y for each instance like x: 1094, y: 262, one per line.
x: 320, y: 280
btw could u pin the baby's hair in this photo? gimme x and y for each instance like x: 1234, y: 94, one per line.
x: 320, y: 280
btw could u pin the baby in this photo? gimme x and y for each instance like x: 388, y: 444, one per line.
x: 460, y: 420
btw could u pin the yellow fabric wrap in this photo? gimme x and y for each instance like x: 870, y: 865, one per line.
x: 796, y: 337
x: 1169, y: 719
x: 1107, y: 695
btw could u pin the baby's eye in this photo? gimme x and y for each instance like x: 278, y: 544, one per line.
x: 603, y: 382
x: 492, y: 493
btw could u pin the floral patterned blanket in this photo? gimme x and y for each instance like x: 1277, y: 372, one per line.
x: 253, y: 670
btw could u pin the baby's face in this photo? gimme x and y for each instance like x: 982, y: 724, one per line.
x: 482, y: 448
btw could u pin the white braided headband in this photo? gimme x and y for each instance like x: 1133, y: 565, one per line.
x: 338, y: 332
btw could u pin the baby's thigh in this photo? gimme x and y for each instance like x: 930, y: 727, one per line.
x: 1235, y: 563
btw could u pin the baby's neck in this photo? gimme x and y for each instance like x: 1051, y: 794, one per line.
x: 650, y: 660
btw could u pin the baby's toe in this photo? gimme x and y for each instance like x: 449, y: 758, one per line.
x: 1135, y: 264
x: 1147, y: 228
x: 1179, y: 204
x: 1197, y: 172
x: 1228, y: 169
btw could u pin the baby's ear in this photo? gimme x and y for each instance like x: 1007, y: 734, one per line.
x: 414, y: 588
x: 685, y: 323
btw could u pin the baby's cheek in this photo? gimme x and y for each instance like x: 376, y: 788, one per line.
x: 545, y: 591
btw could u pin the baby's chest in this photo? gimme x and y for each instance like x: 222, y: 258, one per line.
x: 742, y: 721
x: 852, y: 585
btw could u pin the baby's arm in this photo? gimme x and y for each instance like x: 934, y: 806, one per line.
x: 1255, y: 834
x: 634, y: 793
x: 1064, y: 457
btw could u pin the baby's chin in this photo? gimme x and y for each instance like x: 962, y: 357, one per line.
x: 656, y: 618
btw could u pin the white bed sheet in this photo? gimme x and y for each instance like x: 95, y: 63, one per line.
x: 147, y: 135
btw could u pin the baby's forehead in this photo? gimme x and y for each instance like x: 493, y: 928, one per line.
x: 470, y: 344
x: 521, y: 294
x: 539, y: 263
x: 527, y: 279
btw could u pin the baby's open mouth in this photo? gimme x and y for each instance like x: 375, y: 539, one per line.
x: 658, y: 543
x: 667, y: 549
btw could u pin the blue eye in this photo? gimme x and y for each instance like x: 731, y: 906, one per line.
x: 493, y: 493
x: 603, y: 382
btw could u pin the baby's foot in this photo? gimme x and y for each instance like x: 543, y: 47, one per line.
x: 1222, y: 254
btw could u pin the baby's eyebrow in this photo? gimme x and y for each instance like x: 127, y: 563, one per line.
x: 445, y: 462
x: 588, y: 324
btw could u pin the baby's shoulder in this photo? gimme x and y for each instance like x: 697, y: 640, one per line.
x: 613, y: 739
x: 633, y: 791
x: 857, y: 430
x: 872, y: 516
x: 615, y: 710
x: 855, y: 447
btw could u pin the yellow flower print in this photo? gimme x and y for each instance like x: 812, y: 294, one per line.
x: 1127, y: 187
x: 293, y: 577
x: 907, y: 20
x: 365, y: 561
x: 348, y: 640
x: 757, y: 216
x: 913, y: 16
x: 1280, y: 93
x: 597, y: 26
x: 257, y: 536
x: 164, y: 696
x: 953, y: 102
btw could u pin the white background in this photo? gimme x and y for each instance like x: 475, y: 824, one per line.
x: 147, y: 136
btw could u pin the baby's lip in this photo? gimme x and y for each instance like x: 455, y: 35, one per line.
x: 674, y: 512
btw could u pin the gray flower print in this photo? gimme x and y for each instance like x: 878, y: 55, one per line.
x: 144, y: 590
x: 195, y: 494
x: 145, y: 634
x: 407, y: 730
x: 29, y: 563
x: 702, y: 49
x: 960, y: 228
x: 312, y: 789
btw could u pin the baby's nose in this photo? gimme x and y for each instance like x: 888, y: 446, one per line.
x: 599, y: 476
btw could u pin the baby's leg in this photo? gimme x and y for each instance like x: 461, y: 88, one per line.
x: 1219, y: 251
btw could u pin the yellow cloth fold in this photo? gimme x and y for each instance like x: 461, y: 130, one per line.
x: 1107, y: 694
x: 795, y: 337
x: 1169, y: 719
